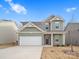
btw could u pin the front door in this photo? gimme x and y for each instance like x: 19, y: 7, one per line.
x: 47, y: 39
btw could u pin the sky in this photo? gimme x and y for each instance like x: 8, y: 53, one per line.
x: 38, y: 10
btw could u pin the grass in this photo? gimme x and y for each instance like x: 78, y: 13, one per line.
x: 58, y: 53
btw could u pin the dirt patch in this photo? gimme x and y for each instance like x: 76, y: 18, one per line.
x: 2, y: 46
x: 57, y: 53
x: 69, y: 52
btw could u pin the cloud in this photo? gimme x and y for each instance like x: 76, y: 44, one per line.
x: 74, y: 8
x: 1, y: 6
x: 71, y: 9
x: 7, y: 11
x: 8, y: 0
x: 17, y: 7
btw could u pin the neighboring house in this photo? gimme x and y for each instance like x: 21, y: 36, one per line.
x: 7, y: 31
x: 47, y: 32
x: 72, y: 33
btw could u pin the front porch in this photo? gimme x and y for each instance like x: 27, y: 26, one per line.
x: 54, y: 39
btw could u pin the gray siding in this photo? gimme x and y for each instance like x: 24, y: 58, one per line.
x: 60, y: 25
x: 73, y: 28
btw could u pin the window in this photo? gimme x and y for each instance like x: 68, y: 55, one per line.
x: 57, y: 40
x: 57, y: 25
x: 46, y: 27
x: 56, y: 22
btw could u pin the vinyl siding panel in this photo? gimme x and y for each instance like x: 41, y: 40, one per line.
x: 60, y: 26
x: 74, y: 33
x: 58, y: 37
x: 30, y: 29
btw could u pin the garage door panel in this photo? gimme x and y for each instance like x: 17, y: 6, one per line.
x: 30, y: 40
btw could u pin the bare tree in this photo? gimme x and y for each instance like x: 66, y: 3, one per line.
x: 70, y: 32
x: 71, y: 45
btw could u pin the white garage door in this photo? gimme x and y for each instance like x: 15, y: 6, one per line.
x: 30, y: 40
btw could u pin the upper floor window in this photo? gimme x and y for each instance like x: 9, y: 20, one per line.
x: 57, y: 40
x: 46, y: 26
x: 57, y: 25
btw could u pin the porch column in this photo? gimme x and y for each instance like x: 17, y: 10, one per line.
x: 51, y: 39
x: 64, y: 39
x: 42, y: 39
x: 51, y: 27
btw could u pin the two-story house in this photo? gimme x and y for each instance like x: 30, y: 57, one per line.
x: 47, y: 32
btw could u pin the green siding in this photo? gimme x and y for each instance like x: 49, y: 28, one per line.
x: 59, y: 37
x: 30, y: 29
x: 54, y: 25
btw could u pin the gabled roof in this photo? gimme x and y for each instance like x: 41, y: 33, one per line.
x: 42, y: 24
x: 39, y: 24
x: 54, y: 18
x: 31, y: 24
x: 72, y: 26
x: 23, y: 23
x: 58, y: 18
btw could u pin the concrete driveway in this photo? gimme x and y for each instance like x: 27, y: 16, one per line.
x: 21, y: 52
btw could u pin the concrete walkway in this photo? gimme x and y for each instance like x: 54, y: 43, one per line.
x: 21, y: 52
